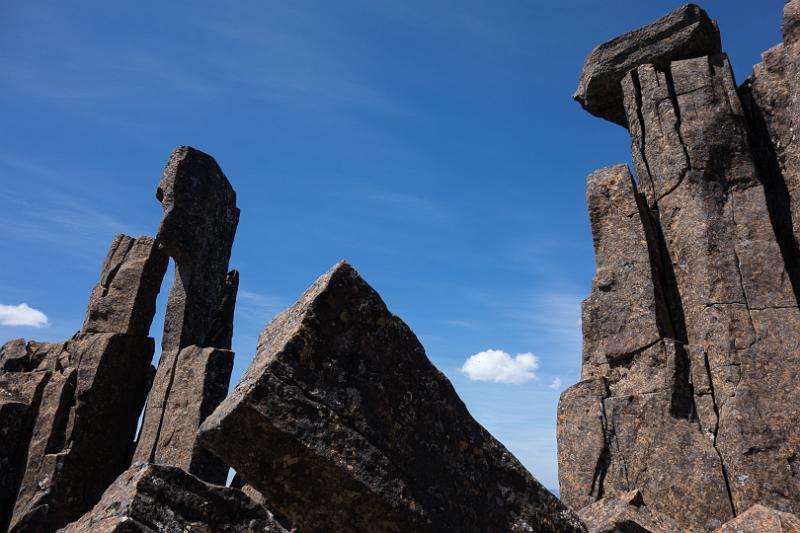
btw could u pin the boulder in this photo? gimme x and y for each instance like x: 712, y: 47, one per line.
x: 760, y: 519
x: 684, y: 33
x: 343, y: 424
x: 626, y: 514
x: 151, y: 498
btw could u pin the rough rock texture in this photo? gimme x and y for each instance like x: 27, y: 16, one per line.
x: 626, y: 514
x: 124, y: 301
x: 684, y: 33
x: 164, y: 499
x: 200, y: 383
x: 760, y: 519
x: 20, y: 356
x: 20, y: 394
x: 703, y: 422
x: 86, y: 423
x: 343, y: 424
x: 197, y: 231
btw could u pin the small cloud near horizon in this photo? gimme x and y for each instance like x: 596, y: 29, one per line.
x: 500, y: 367
x: 22, y: 315
x: 556, y: 383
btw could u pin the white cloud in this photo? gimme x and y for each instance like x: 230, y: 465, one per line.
x: 556, y: 383
x: 22, y: 315
x: 500, y: 367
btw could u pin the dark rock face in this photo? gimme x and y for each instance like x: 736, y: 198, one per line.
x: 626, y: 514
x: 701, y: 420
x: 200, y: 383
x: 684, y: 33
x: 355, y: 429
x: 197, y: 231
x: 84, y: 429
x: 124, y: 301
x: 20, y: 394
x: 156, y: 498
x: 759, y: 519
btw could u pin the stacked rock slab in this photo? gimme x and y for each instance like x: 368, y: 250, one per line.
x: 93, y: 389
x: 156, y: 498
x: 197, y: 231
x: 760, y: 519
x: 721, y: 427
x: 343, y: 424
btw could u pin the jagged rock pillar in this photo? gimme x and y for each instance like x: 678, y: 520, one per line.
x: 197, y: 231
x: 95, y: 389
x: 691, y: 146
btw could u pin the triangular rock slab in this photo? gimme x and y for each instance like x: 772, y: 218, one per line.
x: 626, y: 514
x: 151, y: 498
x: 760, y: 519
x: 343, y: 424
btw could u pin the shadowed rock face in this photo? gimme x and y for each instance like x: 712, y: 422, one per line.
x: 343, y: 424
x: 684, y: 33
x: 701, y: 421
x: 153, y: 498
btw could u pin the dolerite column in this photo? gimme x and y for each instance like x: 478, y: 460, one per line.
x: 629, y: 424
x: 197, y: 231
x: 343, y: 424
x: 691, y: 143
x: 95, y: 389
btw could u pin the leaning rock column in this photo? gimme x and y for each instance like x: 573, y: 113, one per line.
x: 691, y: 146
x: 197, y: 231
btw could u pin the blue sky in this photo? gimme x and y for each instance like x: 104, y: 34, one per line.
x: 434, y: 145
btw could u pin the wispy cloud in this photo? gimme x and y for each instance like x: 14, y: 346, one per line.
x: 500, y: 367
x: 556, y: 383
x: 22, y: 315
x: 258, y: 307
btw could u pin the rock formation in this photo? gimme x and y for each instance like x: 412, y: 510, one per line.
x: 690, y: 333
x: 355, y: 429
x: 197, y: 231
x: 154, y: 498
x: 760, y: 519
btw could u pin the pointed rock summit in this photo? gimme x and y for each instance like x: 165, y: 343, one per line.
x: 343, y: 424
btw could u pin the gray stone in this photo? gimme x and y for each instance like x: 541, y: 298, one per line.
x: 124, y: 301
x: 343, y: 424
x: 684, y: 33
x: 164, y: 499
x: 200, y: 382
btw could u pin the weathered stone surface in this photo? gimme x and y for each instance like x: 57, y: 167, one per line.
x: 635, y: 428
x: 197, y: 231
x: 220, y: 332
x: 684, y: 33
x: 626, y: 310
x: 156, y: 498
x: 20, y: 356
x: 83, y: 434
x: 626, y: 514
x: 760, y: 519
x: 343, y: 424
x: 20, y: 394
x: 124, y: 300
x: 200, y: 382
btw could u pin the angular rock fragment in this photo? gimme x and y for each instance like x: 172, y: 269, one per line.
x: 684, y: 33
x: 197, y: 231
x: 626, y: 310
x: 82, y: 437
x: 151, y: 498
x: 343, y: 424
x: 626, y: 514
x: 200, y: 382
x: 124, y: 301
x: 760, y: 519
x: 20, y: 356
x: 20, y: 394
